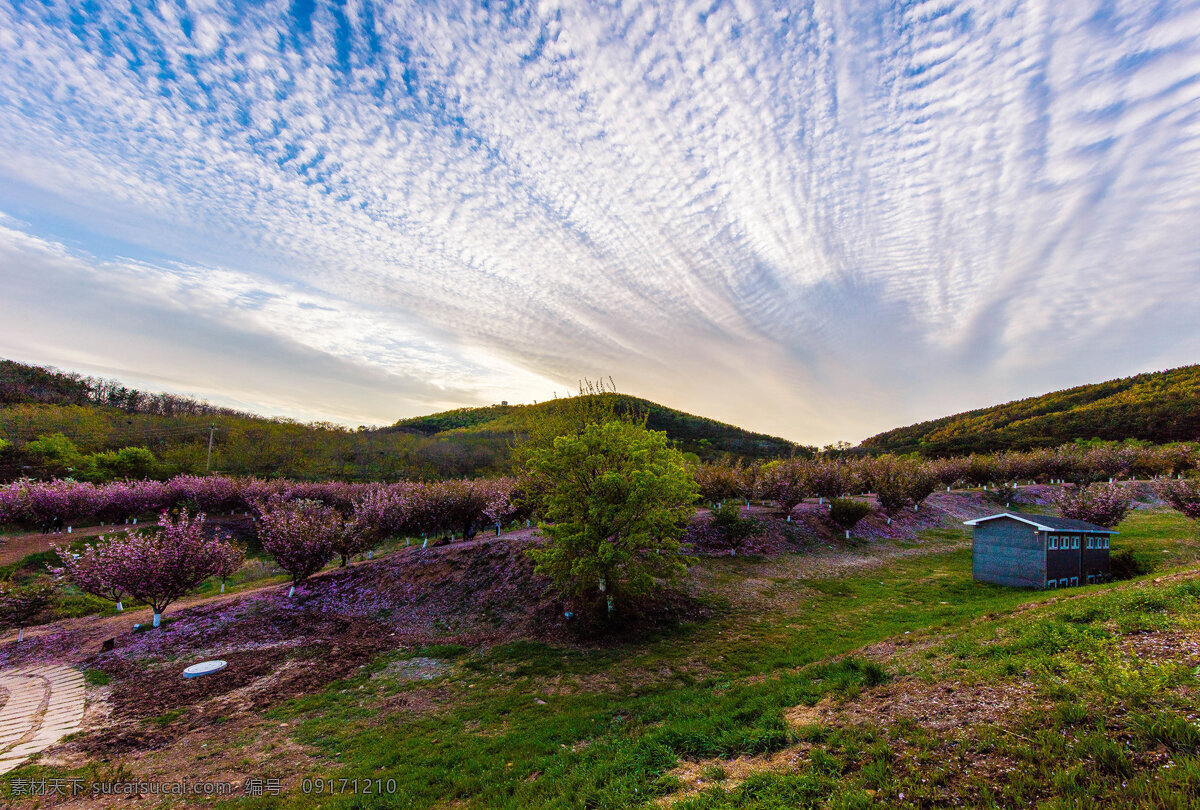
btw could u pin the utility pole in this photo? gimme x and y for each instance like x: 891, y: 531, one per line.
x: 208, y: 461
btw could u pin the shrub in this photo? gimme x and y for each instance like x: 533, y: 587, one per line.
x: 847, y: 512
x: 617, y: 498
x: 733, y: 527
x: 1125, y: 565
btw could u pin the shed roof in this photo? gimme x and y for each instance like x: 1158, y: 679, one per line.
x: 1046, y: 523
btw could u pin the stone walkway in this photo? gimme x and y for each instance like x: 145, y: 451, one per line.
x: 39, y: 705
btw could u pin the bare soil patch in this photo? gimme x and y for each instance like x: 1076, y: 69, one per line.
x: 940, y: 707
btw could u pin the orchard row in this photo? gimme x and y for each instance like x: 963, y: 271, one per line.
x: 900, y: 482
x: 405, y: 508
x: 415, y: 508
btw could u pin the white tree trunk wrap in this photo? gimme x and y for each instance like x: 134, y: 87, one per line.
x: 120, y: 607
x: 291, y: 591
x: 20, y: 633
x: 157, y: 619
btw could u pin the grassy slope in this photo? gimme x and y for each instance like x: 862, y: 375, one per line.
x: 1162, y: 406
x: 615, y: 722
x: 697, y: 434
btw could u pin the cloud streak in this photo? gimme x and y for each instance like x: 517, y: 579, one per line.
x: 818, y: 220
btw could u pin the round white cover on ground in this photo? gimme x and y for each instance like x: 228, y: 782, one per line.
x: 204, y: 668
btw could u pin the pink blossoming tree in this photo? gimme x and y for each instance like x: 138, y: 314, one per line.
x: 1103, y: 504
x: 1183, y: 494
x: 89, y: 572
x: 301, y: 536
x: 159, y: 566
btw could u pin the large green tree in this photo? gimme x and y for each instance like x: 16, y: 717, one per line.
x: 615, y: 499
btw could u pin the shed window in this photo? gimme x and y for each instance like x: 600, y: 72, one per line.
x: 1052, y: 583
x: 1074, y: 581
x: 1053, y: 541
x: 1091, y: 542
x: 1105, y: 542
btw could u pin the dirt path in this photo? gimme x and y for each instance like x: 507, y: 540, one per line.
x: 18, y: 546
x: 44, y: 704
x: 14, y: 547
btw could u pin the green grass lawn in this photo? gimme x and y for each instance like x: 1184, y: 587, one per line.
x: 528, y: 725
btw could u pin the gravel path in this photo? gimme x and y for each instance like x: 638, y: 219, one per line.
x: 42, y: 704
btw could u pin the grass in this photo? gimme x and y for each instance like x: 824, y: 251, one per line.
x: 528, y: 724
x: 531, y: 725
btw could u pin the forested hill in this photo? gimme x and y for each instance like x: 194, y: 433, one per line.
x: 705, y: 437
x: 56, y: 423
x: 1162, y: 406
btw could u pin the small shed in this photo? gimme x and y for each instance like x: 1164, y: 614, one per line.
x: 1039, y: 551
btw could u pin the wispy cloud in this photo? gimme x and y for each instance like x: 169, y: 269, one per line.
x: 818, y: 221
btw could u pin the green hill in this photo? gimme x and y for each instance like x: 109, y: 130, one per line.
x: 1162, y: 406
x: 98, y: 416
x: 707, y: 438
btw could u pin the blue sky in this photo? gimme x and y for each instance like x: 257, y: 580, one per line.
x: 818, y: 220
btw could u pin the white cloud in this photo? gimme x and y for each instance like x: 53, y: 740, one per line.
x: 861, y: 215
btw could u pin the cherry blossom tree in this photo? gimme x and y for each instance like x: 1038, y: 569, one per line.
x: 502, y: 500
x: 157, y: 566
x: 718, y: 482
x: 1102, y: 504
x: 90, y: 570
x: 1183, y: 494
x: 300, y: 535
x: 892, y: 481
x: 829, y: 479
x: 786, y: 482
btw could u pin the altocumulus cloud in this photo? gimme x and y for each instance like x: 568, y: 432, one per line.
x: 819, y: 220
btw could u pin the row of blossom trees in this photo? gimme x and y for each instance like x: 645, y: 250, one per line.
x: 905, y: 481
x: 303, y: 534
x: 405, y: 507
x: 464, y: 506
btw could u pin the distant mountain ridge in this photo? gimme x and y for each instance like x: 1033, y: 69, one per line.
x: 705, y: 437
x: 1160, y: 406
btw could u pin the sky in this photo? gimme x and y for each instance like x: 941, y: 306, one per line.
x: 817, y: 220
